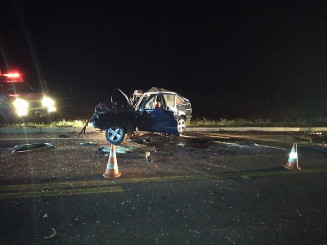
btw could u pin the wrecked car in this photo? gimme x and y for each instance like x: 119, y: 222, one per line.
x: 123, y: 116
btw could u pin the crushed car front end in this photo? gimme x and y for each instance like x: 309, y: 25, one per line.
x: 106, y: 115
x: 115, y: 119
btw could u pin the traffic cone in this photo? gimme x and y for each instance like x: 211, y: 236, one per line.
x: 293, y: 161
x: 112, y: 166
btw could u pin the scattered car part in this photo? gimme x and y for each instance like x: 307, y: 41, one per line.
x: 119, y: 149
x: 148, y: 156
x: 54, y: 232
x: 87, y: 143
x: 30, y: 147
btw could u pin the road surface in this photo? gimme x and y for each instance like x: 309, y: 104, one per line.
x: 201, y: 188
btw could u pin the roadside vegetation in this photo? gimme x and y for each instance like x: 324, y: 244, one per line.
x: 256, y: 123
x: 203, y: 122
x: 54, y: 124
x: 246, y: 123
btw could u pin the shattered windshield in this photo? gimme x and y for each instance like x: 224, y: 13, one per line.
x: 147, y: 102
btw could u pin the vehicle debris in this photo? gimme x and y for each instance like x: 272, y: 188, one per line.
x: 119, y: 149
x: 54, y: 232
x: 147, y: 156
x: 147, y: 140
x: 31, y: 147
x: 88, y: 143
x: 313, y: 138
x: 245, y: 177
x: 63, y: 136
x: 104, y: 150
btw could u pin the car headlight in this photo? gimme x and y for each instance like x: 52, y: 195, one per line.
x: 21, y: 107
x: 47, y: 101
x: 49, y: 104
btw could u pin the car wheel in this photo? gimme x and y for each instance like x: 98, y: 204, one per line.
x: 115, y: 135
x: 181, y: 125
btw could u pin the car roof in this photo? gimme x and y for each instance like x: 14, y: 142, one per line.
x: 159, y: 90
x: 155, y: 90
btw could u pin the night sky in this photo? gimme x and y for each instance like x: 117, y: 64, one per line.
x: 227, y: 57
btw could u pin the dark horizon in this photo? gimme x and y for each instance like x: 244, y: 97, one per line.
x: 230, y: 56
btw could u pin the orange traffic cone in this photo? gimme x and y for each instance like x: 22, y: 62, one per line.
x: 112, y: 166
x: 293, y: 161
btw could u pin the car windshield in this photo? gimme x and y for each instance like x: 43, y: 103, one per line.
x: 15, y: 88
x: 147, y: 102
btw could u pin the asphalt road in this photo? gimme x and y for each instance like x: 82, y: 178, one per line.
x: 202, y: 188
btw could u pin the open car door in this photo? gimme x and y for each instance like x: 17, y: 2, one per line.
x: 154, y: 117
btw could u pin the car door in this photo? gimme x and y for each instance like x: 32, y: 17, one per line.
x: 154, y: 117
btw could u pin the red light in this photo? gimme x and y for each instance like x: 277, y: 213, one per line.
x: 12, y: 75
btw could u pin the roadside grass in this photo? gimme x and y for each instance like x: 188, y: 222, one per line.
x: 203, y: 122
x: 252, y: 123
x: 53, y: 124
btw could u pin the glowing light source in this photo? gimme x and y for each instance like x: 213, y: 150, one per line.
x: 49, y: 103
x: 46, y: 101
x: 12, y: 75
x: 21, y: 107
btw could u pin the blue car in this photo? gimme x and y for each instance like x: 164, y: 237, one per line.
x: 121, y: 116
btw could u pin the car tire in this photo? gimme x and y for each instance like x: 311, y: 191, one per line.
x: 181, y: 125
x: 115, y: 134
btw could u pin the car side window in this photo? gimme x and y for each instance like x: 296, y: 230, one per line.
x: 179, y: 100
x: 170, y: 100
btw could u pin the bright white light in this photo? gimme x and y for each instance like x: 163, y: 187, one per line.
x: 12, y: 75
x: 21, y: 107
x: 52, y: 109
x: 47, y: 102
x: 293, y: 155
